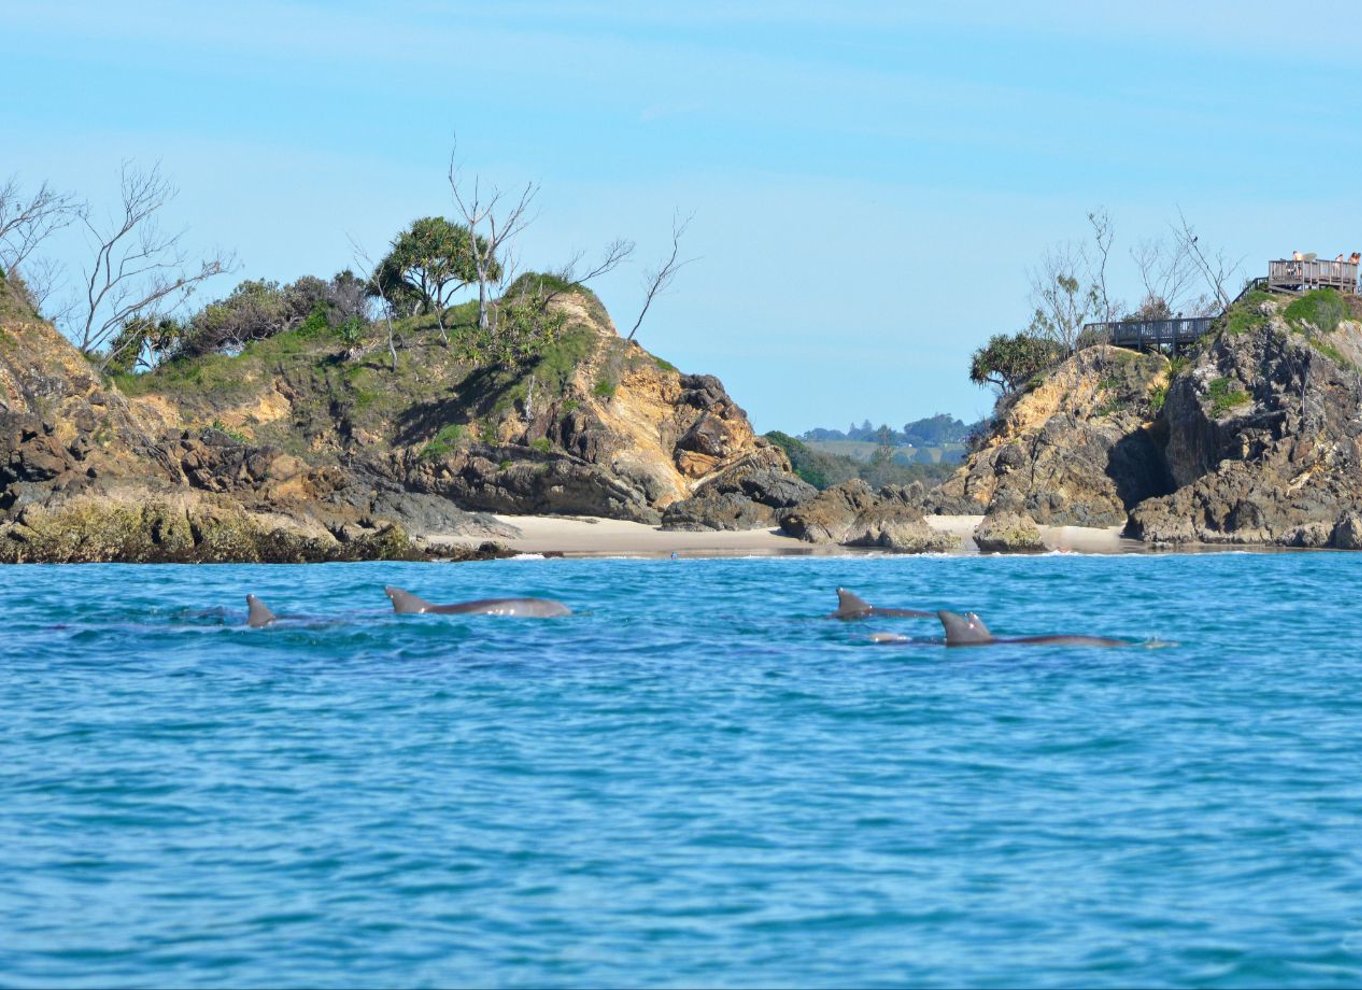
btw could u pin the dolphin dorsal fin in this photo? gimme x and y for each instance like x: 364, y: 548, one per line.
x: 849, y: 601
x: 405, y: 603
x: 964, y: 630
x: 259, y: 615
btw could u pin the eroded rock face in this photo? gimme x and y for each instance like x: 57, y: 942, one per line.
x: 1008, y: 532
x: 527, y: 483
x: 292, y: 451
x: 1265, y: 440
x: 1078, y: 450
x: 853, y: 514
x: 748, y: 495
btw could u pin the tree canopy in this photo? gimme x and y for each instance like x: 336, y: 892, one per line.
x: 429, y: 261
x: 1010, y: 362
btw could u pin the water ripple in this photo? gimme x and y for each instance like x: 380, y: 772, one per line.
x: 696, y: 778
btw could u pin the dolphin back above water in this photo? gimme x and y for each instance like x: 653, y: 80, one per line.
x: 405, y: 603
x: 852, y: 606
x: 969, y: 630
x: 259, y: 615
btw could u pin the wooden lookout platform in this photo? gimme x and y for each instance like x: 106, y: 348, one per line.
x: 1148, y: 335
x: 1286, y: 276
x: 1303, y: 276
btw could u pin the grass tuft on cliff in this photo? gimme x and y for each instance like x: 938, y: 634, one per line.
x: 1317, y: 312
x: 1226, y: 394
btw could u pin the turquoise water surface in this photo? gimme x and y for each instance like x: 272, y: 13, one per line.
x: 695, y: 779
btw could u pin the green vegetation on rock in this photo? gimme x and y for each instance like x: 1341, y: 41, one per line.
x: 1318, y: 312
x: 1225, y: 394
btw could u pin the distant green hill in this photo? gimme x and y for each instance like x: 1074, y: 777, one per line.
x: 826, y: 463
x: 864, y: 451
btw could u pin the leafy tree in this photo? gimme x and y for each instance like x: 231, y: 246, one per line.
x: 430, y: 261
x: 934, y: 431
x: 255, y: 310
x: 1008, y: 363
x: 143, y: 342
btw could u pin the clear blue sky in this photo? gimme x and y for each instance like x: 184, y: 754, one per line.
x: 869, y: 181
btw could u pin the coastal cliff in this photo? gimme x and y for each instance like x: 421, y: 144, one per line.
x: 301, y: 447
x: 1251, y: 438
x: 1264, y: 431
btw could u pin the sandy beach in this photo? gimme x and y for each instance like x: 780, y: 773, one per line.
x: 586, y: 536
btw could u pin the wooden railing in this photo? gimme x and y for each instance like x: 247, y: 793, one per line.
x: 1141, y: 334
x: 1298, y: 276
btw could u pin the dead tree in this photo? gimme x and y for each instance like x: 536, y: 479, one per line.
x: 1063, y: 304
x: 26, y: 221
x: 493, y: 217
x: 1166, y: 273
x: 1103, y: 234
x: 660, y: 278
x: 1216, y: 269
x: 372, y: 278
x: 138, y: 270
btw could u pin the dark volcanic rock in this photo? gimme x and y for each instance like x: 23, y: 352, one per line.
x: 748, y: 495
x: 717, y: 510
x: 1265, y: 441
x: 852, y: 514
x: 532, y: 485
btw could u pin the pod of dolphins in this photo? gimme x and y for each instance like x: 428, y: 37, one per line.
x: 960, y: 630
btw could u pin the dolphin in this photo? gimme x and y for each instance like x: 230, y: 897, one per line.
x: 969, y: 630
x: 853, y: 606
x: 405, y: 603
x: 259, y: 615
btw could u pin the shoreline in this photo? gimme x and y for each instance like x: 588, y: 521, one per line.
x: 586, y: 536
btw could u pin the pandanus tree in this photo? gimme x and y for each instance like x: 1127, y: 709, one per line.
x: 429, y: 262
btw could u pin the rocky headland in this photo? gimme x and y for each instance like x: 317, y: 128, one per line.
x: 1251, y: 438
x: 302, y: 447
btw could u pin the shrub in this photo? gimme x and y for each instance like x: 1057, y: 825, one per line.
x: 1319, y: 311
x: 445, y: 442
x: 1225, y: 394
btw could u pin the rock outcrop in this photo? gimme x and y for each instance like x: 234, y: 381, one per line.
x: 1253, y: 438
x: 298, y: 449
x: 748, y: 495
x: 1080, y: 449
x: 1264, y: 439
x: 1007, y: 532
x: 853, y: 514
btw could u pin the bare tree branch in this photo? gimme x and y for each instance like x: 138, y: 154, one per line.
x: 1166, y: 271
x: 137, y: 269
x: 660, y: 278
x: 1216, y: 269
x: 1062, y: 303
x: 1103, y: 233
x: 25, y: 222
x: 493, y: 216
x: 370, y: 276
x: 617, y: 252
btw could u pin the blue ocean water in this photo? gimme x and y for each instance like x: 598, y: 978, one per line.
x: 695, y: 779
